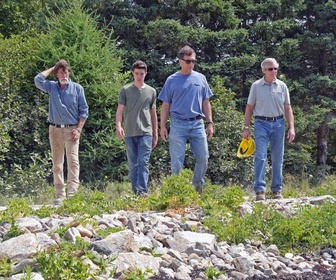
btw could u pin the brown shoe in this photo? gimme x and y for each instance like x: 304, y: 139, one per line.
x: 260, y: 196
x: 277, y: 195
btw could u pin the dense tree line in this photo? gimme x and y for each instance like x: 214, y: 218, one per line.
x: 102, y: 38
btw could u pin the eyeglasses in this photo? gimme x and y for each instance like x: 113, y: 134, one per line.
x: 188, y: 61
x: 271, y: 69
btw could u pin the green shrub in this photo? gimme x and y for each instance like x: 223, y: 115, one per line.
x: 5, y: 267
x: 213, y: 273
x: 138, y: 274
x: 64, y: 263
x: 310, y: 229
x: 176, y: 192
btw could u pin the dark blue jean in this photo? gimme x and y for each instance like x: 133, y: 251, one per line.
x: 138, y: 150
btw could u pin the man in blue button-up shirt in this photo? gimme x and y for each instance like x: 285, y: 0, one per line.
x: 68, y: 111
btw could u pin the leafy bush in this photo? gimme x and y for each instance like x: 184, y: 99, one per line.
x: 5, y: 267
x: 176, y: 192
x: 25, y: 182
x: 66, y: 262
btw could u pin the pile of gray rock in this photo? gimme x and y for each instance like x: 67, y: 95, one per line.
x: 165, y: 243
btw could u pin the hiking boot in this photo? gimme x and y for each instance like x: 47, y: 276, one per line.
x: 260, y: 196
x: 277, y: 195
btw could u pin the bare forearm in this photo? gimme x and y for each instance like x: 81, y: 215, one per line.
x: 81, y: 123
x: 289, y: 116
x: 248, y: 115
x: 164, y: 114
x: 119, y: 115
x: 207, y: 110
x: 154, y: 121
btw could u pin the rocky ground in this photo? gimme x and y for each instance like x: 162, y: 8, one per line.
x: 319, y: 273
x: 165, y: 243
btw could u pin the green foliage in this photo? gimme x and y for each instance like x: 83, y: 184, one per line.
x: 224, y: 165
x: 218, y: 201
x: 271, y: 227
x: 86, y: 202
x: 16, y: 208
x: 17, y: 17
x: 176, y: 192
x: 327, y: 188
x: 138, y: 274
x: 33, y: 178
x: 14, y: 231
x: 212, y: 273
x: 159, y: 162
x: 28, y: 274
x: 5, y: 267
x: 106, y: 232
x: 19, y: 137
x: 66, y: 262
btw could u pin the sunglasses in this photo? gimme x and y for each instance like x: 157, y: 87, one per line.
x: 271, y: 69
x: 188, y: 61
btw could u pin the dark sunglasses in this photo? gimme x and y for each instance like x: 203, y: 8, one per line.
x: 271, y: 69
x: 188, y: 61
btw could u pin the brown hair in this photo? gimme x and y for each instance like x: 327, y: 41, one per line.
x: 186, y: 50
x: 139, y: 65
x: 63, y: 65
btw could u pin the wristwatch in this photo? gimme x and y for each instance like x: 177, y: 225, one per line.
x: 209, y: 123
x: 79, y: 129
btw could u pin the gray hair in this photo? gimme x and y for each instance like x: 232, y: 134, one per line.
x: 266, y: 62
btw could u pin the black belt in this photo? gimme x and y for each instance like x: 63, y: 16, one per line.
x: 270, y: 119
x: 62, y: 125
x: 194, y: 118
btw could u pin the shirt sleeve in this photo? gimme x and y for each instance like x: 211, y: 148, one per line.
x: 165, y: 94
x: 42, y: 83
x: 83, y: 108
x: 122, y: 97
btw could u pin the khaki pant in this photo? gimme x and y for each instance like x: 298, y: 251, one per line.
x: 60, y: 139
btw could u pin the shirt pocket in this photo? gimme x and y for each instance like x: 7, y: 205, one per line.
x: 280, y: 96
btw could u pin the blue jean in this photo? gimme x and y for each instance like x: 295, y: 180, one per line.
x: 273, y: 133
x: 180, y: 132
x: 138, y: 150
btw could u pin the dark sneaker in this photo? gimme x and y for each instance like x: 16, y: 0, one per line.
x: 58, y: 201
x: 277, y: 195
x: 260, y: 196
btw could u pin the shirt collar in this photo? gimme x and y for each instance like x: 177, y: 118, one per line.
x: 265, y: 83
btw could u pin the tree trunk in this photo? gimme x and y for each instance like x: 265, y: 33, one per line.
x: 322, y: 143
